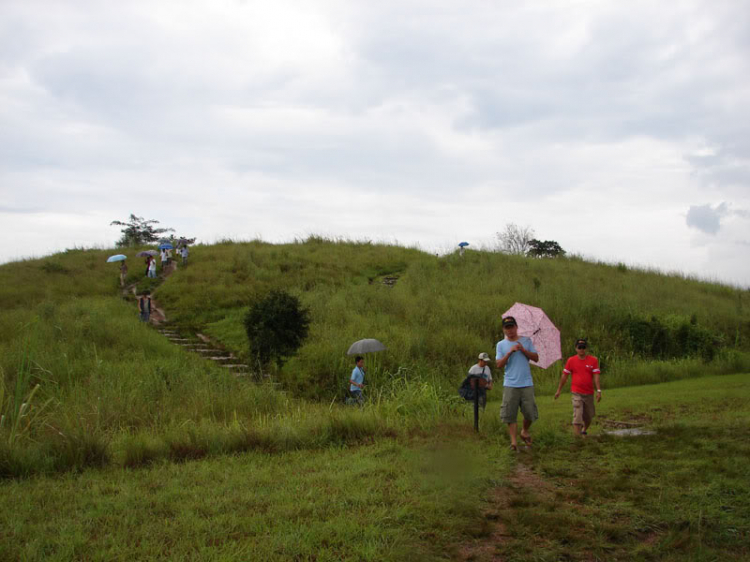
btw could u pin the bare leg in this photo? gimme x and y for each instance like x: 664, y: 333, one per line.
x: 526, y: 426
x: 512, y: 432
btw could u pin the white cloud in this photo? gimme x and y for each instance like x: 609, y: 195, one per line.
x: 599, y: 124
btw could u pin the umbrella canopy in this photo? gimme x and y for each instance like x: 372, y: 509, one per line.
x: 117, y: 257
x: 145, y: 253
x: 462, y: 244
x: 365, y: 346
x: 534, y: 323
x: 166, y: 246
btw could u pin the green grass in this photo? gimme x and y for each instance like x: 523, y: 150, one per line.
x: 386, y: 501
x: 681, y: 494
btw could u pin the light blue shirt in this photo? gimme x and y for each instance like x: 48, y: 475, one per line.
x: 517, y: 370
x: 358, y: 376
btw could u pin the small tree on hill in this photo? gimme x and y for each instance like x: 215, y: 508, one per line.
x: 276, y: 327
x: 544, y: 249
x: 515, y: 239
x: 139, y: 231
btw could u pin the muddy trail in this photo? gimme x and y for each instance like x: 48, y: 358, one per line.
x: 188, y: 339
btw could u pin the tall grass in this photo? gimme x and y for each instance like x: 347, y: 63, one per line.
x: 84, y: 383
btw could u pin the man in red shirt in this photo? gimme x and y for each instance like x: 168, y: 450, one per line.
x: 584, y: 371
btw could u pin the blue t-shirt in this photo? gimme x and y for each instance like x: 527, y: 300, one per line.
x: 357, y: 376
x: 517, y: 370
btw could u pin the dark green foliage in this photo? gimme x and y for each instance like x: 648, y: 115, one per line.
x: 671, y: 338
x: 138, y: 232
x: 54, y: 267
x: 544, y: 249
x: 276, y: 327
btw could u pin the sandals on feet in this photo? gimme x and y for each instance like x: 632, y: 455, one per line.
x: 514, y: 448
x: 526, y: 439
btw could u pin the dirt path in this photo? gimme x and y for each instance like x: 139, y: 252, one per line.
x: 522, y: 484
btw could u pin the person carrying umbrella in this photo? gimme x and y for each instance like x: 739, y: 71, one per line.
x: 584, y: 374
x: 513, y: 354
x: 123, y: 272
x: 357, y: 380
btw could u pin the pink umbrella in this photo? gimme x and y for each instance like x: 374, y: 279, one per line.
x: 533, y: 323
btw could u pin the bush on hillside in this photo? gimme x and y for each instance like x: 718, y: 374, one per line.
x: 673, y: 337
x: 276, y: 327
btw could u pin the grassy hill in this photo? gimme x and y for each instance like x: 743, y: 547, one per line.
x: 67, y: 330
x: 444, y: 310
x: 85, y: 385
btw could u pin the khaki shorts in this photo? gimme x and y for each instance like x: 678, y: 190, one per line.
x: 583, y: 408
x: 515, y: 398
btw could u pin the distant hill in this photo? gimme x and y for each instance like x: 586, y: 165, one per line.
x: 435, y: 314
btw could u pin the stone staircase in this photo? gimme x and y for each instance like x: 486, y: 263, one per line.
x: 202, y: 345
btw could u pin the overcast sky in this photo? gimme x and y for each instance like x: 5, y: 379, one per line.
x: 619, y: 129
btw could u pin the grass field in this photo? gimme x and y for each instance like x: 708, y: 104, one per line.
x: 438, y: 494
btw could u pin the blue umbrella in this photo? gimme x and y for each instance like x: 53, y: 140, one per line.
x: 166, y: 246
x: 462, y: 244
x: 118, y: 257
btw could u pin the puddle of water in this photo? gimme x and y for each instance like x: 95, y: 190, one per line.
x: 630, y: 431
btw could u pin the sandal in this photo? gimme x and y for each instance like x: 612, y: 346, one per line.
x: 514, y: 448
x: 526, y: 439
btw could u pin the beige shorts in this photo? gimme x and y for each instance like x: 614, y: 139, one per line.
x: 583, y: 408
x: 515, y: 398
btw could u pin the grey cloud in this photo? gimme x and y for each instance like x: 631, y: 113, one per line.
x: 707, y: 218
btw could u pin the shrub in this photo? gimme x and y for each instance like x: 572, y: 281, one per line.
x: 276, y: 327
x: 54, y: 267
x: 673, y: 337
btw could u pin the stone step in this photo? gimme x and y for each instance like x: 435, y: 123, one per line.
x: 238, y: 366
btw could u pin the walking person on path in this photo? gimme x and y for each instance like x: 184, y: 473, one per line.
x: 514, y: 353
x: 144, y: 306
x: 184, y: 253
x: 584, y: 375
x: 357, y: 380
x: 152, y: 269
x: 148, y: 264
x: 482, y: 369
x: 123, y: 273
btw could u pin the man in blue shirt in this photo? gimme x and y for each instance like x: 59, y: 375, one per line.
x: 514, y: 353
x: 357, y: 380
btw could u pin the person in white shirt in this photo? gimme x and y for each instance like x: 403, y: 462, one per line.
x: 482, y: 370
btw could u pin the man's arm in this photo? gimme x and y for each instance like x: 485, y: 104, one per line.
x: 530, y: 355
x: 598, y: 387
x: 355, y: 383
x: 503, y: 360
x: 563, y: 378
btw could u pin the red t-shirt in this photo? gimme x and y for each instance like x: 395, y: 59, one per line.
x: 581, y: 373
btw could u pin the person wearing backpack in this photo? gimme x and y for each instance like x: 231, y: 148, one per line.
x: 482, y: 370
